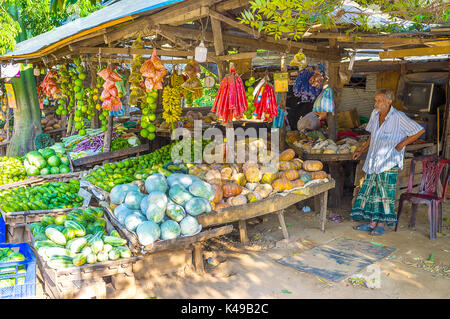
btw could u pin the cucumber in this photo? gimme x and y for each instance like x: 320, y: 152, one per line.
x: 107, y: 248
x: 114, y: 254
x: 114, y: 233
x: 56, y: 251
x: 102, y: 256
x: 91, y: 258
x: 55, y: 236
x: 86, y: 250
x: 79, y: 260
x: 60, y: 262
x: 114, y: 241
x: 46, y: 243
x: 75, y: 245
x: 80, y: 230
x: 124, y: 251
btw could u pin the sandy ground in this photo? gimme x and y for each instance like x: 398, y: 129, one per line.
x: 252, y: 271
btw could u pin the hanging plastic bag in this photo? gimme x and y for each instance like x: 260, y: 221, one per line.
x: 299, y: 60
x: 279, y: 119
x: 325, y: 101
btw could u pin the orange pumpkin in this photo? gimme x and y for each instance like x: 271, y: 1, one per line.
x: 218, y: 195
x: 312, y: 165
x: 252, y: 172
x: 239, y: 179
x: 222, y: 205
x: 290, y: 174
x: 287, y: 155
x: 298, y: 183
x: 231, y: 189
x: 298, y: 163
x: 318, y: 175
x: 281, y: 184
x: 212, y: 174
x: 284, y: 166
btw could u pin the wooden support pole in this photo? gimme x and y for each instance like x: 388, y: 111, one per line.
x: 218, y: 46
x: 198, y: 258
x: 282, y: 129
x: 323, y: 199
x: 243, y: 231
x: 108, y: 135
x: 283, y: 224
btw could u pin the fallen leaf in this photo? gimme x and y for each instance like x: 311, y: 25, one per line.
x: 376, y: 244
x: 286, y: 291
x: 154, y: 297
x: 287, y: 225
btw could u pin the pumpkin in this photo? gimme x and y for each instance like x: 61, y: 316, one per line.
x: 218, y: 195
x: 306, y: 177
x: 287, y: 155
x: 222, y: 205
x: 290, y: 174
x: 284, y: 166
x: 217, y: 181
x: 231, y: 189
x: 251, y: 186
x: 252, y: 172
x: 237, y: 200
x: 264, y: 190
x: 268, y: 178
x: 281, y: 184
x: 226, y: 172
x: 212, y: 174
x: 298, y: 163
x: 253, y: 197
x: 312, y: 165
x: 318, y: 175
x: 298, y: 183
x: 239, y: 179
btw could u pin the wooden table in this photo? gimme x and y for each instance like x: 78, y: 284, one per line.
x: 274, y: 204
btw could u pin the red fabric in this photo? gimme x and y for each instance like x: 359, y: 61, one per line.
x: 347, y: 133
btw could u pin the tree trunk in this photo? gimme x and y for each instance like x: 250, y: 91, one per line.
x: 27, y: 123
x: 27, y: 116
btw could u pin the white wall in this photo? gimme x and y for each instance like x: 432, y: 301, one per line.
x: 361, y: 99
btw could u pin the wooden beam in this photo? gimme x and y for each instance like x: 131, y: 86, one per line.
x: 218, y: 45
x: 364, y: 38
x: 231, y: 5
x: 130, y: 51
x: 438, y: 43
x: 233, y: 23
x: 237, y: 56
x: 188, y: 16
x: 414, y: 52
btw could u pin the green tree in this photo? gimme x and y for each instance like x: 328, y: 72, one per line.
x: 291, y: 18
x: 19, y: 21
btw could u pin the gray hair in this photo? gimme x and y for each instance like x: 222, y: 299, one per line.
x: 387, y: 93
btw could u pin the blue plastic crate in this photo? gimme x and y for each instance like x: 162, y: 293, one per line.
x: 28, y: 287
x: 2, y: 230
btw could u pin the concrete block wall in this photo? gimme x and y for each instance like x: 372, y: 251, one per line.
x: 360, y: 98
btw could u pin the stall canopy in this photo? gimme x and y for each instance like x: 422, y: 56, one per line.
x: 117, y: 13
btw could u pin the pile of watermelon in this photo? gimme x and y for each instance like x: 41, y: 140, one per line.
x: 167, y: 211
x: 46, y: 161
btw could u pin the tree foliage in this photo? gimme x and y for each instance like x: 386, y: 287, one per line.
x: 292, y: 18
x: 37, y: 17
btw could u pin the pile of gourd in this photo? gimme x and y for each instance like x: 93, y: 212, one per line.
x: 236, y: 184
x: 327, y: 146
x: 165, y: 209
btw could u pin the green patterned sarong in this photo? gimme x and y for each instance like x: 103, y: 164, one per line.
x: 376, y: 199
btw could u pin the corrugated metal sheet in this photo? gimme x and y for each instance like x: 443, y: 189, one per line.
x: 361, y: 99
x: 120, y: 10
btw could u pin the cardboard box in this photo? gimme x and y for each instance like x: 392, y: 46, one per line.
x: 348, y: 119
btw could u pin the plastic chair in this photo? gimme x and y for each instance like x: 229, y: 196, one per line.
x: 428, y: 192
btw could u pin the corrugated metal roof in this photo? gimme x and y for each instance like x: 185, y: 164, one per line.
x: 118, y: 12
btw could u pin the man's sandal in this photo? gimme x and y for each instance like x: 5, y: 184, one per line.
x: 365, y: 227
x: 378, y: 231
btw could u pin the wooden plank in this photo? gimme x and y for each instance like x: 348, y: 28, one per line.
x: 265, y: 206
x: 237, y: 56
x: 231, y: 4
x: 130, y: 51
x: 234, y: 23
x: 198, y: 259
x: 88, y: 160
x: 323, y: 209
x: 218, y: 45
x: 414, y: 52
x: 280, y: 215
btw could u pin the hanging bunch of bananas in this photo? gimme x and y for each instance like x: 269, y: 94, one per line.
x: 172, y: 104
x: 136, y: 79
x: 176, y: 79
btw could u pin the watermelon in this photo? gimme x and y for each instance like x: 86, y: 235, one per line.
x: 44, y: 171
x: 156, y: 182
x: 36, y: 159
x: 47, y: 152
x: 175, y: 211
x: 54, y: 161
x: 202, y: 189
x: 54, y: 170
x: 189, y: 225
x: 64, y: 169
x: 133, y: 220
x: 197, y: 205
x: 32, y: 170
x: 148, y: 232
x: 179, y: 194
x: 170, y: 229
x: 64, y: 160
x: 133, y: 199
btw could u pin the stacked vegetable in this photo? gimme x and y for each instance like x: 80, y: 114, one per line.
x: 168, y: 211
x: 137, y: 88
x: 148, y: 108
x: 82, y: 111
x: 49, y: 122
x: 46, y: 196
x: 11, y: 170
x: 231, y: 101
x: 250, y: 99
x: 66, y: 103
x: 130, y: 169
x: 8, y: 255
x: 77, y: 238
x: 46, y: 161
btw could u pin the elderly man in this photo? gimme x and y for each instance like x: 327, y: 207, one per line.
x: 390, y: 131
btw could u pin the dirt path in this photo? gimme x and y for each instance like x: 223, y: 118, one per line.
x: 253, y: 271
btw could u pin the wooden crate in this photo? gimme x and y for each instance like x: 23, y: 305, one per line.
x: 87, y: 281
x: 41, y: 179
x: 348, y: 119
